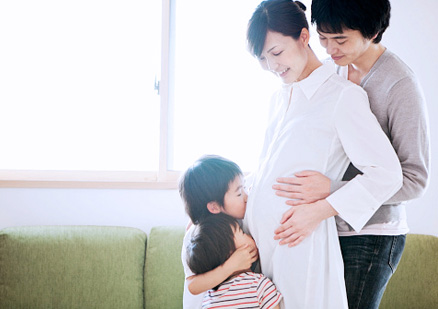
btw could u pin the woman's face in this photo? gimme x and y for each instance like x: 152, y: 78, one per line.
x: 284, y: 56
x: 345, y: 48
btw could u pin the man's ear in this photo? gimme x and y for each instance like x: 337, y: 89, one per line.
x: 214, y: 207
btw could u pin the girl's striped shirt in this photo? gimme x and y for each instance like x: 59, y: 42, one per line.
x: 247, y: 290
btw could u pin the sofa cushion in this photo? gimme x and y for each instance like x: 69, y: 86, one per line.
x: 164, y: 274
x: 71, y: 267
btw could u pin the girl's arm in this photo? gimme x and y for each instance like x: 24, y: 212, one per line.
x: 189, y: 224
x: 239, y: 261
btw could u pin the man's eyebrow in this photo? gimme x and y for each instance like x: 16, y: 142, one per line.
x: 340, y: 36
x: 238, y: 188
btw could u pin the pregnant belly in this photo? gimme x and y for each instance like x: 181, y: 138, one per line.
x: 266, y: 210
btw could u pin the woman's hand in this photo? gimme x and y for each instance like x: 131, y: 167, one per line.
x: 305, y: 188
x: 300, y: 221
x: 241, y: 259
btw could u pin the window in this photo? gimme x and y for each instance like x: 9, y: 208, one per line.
x: 220, y: 93
x: 79, y: 102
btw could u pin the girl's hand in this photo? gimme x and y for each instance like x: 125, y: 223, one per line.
x: 300, y: 221
x: 241, y: 259
x: 305, y: 188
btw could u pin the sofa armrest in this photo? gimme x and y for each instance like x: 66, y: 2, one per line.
x: 164, y: 275
x: 415, y: 282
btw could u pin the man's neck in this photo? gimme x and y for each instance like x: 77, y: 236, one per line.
x: 362, y: 65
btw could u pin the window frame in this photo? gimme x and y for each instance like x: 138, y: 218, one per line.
x: 160, y: 179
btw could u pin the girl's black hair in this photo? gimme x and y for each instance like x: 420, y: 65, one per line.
x: 212, y: 244
x: 370, y: 17
x: 207, y: 180
x: 284, y: 16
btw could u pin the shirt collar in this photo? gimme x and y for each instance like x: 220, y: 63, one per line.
x: 312, y: 83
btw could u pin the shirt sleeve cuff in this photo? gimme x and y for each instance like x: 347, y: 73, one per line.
x: 354, y: 211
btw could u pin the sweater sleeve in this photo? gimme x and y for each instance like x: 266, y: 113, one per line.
x: 408, y: 128
x: 369, y: 149
x: 409, y: 132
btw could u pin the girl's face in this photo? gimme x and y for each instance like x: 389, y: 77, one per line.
x: 240, y: 238
x: 284, y: 56
x: 345, y: 48
x: 235, y: 199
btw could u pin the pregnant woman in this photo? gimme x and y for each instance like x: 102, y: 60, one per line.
x: 318, y: 121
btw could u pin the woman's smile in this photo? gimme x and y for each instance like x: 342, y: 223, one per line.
x: 284, y: 56
x: 282, y: 73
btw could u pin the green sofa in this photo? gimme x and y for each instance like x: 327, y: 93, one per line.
x: 90, y: 267
x: 120, y: 267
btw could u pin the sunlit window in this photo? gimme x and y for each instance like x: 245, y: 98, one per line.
x: 77, y: 85
x: 147, y: 87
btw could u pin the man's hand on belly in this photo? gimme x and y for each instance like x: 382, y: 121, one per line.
x: 305, y: 188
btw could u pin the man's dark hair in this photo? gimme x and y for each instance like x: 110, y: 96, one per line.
x: 207, y: 180
x: 212, y: 243
x: 370, y: 17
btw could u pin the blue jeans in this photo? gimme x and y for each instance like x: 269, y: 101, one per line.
x: 369, y: 262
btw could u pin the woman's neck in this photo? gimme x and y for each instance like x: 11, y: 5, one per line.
x: 312, y: 64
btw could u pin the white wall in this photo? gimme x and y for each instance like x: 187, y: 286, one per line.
x: 142, y: 209
x: 412, y: 35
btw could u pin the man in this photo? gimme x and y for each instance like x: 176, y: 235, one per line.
x: 351, y: 31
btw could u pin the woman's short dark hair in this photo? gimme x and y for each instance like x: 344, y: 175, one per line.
x: 212, y: 244
x: 370, y: 17
x: 284, y: 16
x: 207, y: 180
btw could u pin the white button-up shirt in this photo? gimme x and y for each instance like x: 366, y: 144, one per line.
x: 327, y: 124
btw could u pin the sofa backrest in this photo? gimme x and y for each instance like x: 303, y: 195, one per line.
x: 164, y: 275
x: 71, y: 267
x: 104, y: 267
x: 414, y: 284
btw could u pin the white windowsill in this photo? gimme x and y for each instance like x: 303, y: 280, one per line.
x: 87, y: 179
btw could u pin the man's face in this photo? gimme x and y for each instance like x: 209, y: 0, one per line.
x: 347, y: 47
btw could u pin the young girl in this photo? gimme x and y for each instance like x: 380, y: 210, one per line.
x: 216, y: 238
x: 318, y: 121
